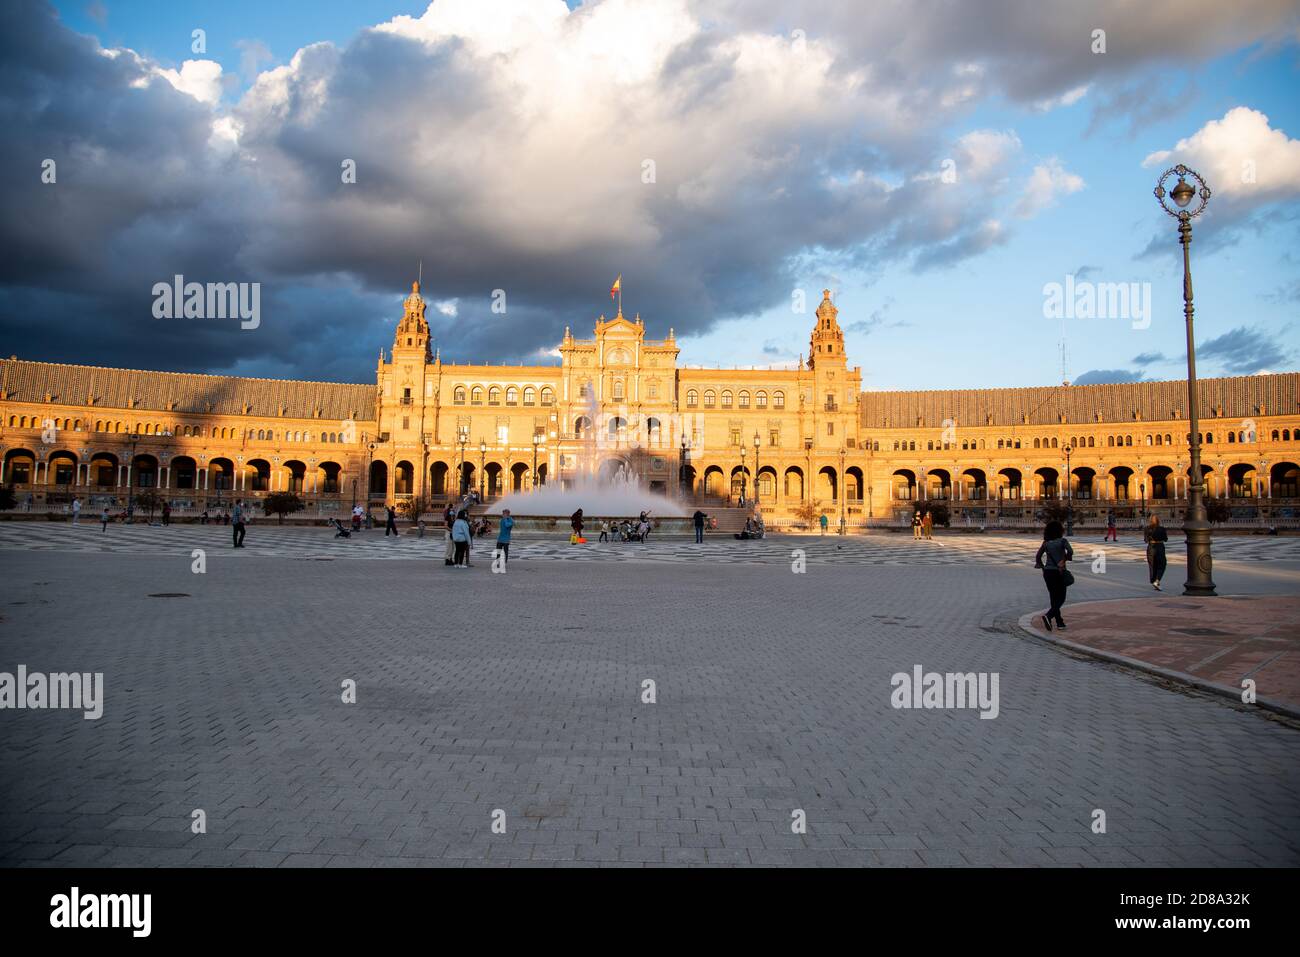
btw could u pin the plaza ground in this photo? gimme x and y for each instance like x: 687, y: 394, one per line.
x: 522, y: 692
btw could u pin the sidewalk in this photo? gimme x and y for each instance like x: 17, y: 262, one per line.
x: 1213, y: 643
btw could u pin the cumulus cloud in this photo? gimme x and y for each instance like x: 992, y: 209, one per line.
x: 1107, y: 376
x: 1047, y: 183
x: 708, y: 151
x: 1243, y: 351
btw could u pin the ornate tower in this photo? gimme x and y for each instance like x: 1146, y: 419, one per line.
x: 411, y: 340
x: 827, y: 344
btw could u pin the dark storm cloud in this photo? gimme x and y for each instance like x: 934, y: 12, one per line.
x: 1149, y: 358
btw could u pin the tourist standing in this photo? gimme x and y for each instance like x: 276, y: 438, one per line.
x: 237, y: 523
x: 76, y: 510
x: 203, y: 519
x: 927, y: 523
x: 699, y: 518
x: 460, y: 535
x: 1155, y: 537
x: 390, y: 521
x: 575, y: 522
x: 824, y: 522
x: 103, y: 520
x: 1112, y: 532
x: 916, y: 526
x: 503, y: 534
x: 604, y: 530
x: 167, y: 513
x: 1052, y: 557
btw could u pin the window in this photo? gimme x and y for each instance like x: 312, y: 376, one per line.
x: 1128, y: 440
x: 476, y: 397
x: 406, y: 421
x: 548, y: 397
x: 830, y: 428
x: 1110, y: 441
x: 710, y: 399
x: 503, y: 435
x: 652, y: 390
x: 744, y: 400
x: 735, y: 438
x: 494, y: 396
x: 1159, y: 441
x: 726, y: 399
x: 458, y: 397
x: 760, y: 400
x: 530, y: 396
x: 584, y: 389
x: 618, y: 390
x: 512, y: 396
x: 774, y: 438
x: 778, y: 400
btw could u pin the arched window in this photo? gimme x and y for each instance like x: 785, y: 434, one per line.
x: 1209, y: 438
x: 1055, y: 444
x: 1091, y: 442
x: 778, y: 400
x: 548, y: 396
x: 1168, y: 440
x: 1232, y: 438
x: 760, y: 400
x: 710, y: 398
x: 1037, y: 444
x: 512, y: 396
x: 744, y: 400
x: 1159, y: 439
x: 692, y: 399
x: 476, y: 395
x: 1286, y: 435
x: 584, y: 389
x: 618, y: 390
x: 530, y: 395
x: 458, y: 397
x: 1128, y: 440
x: 494, y: 396
x: 726, y: 398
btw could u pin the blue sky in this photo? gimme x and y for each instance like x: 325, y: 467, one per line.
x: 829, y: 185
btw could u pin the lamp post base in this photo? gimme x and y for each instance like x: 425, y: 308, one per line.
x: 1200, y: 565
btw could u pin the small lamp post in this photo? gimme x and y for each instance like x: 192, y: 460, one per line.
x: 482, y: 469
x: 840, y: 490
x: 681, y: 479
x: 757, y: 443
x: 537, y: 444
x: 742, y: 473
x: 1200, y: 561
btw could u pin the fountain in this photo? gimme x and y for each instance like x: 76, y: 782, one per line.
x: 620, y: 496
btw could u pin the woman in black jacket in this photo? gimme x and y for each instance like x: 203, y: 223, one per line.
x: 1155, y: 536
x: 1051, y: 558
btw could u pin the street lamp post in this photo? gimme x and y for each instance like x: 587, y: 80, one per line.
x: 1200, y: 561
x: 461, y: 485
x: 537, y: 442
x: 482, y: 469
x: 1069, y: 491
x: 681, y: 468
x: 742, y: 473
x: 130, y: 478
x: 757, y: 443
x: 840, y: 489
x: 1142, y: 491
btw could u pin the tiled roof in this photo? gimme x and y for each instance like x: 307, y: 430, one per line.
x: 1239, y: 397
x: 25, y: 381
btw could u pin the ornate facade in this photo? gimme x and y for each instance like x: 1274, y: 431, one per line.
x: 619, y: 401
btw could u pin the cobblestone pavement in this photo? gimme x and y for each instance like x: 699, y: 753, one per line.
x: 270, y: 540
x: 523, y: 692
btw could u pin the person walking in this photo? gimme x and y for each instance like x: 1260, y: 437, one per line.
x: 503, y: 534
x: 1112, y: 532
x: 390, y: 521
x: 604, y: 531
x: 460, y: 535
x: 575, y: 522
x: 699, y: 518
x: 76, y: 510
x: 927, y: 524
x: 237, y: 523
x: 103, y: 520
x: 1155, y: 537
x: 824, y: 521
x: 167, y: 513
x: 916, y: 526
x: 1052, y: 557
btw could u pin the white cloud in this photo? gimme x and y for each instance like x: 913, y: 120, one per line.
x: 1068, y: 98
x: 201, y: 79
x: 1245, y: 162
x: 448, y: 307
x: 1047, y: 183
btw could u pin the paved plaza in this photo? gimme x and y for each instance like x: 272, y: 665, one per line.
x: 519, y: 698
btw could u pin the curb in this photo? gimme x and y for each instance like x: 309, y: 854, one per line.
x: 1181, y: 677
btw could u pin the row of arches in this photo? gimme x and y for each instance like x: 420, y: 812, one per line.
x: 1120, y: 483
x: 105, y: 470
x: 739, y: 399
x: 495, y: 394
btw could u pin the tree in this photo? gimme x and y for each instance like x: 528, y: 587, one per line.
x: 281, y: 504
x: 149, y: 501
x: 7, y: 498
x: 412, y: 508
x: 1054, y: 512
x: 808, y: 512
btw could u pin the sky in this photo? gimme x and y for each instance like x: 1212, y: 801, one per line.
x: 941, y: 167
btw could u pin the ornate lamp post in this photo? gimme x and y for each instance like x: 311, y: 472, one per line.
x: 681, y: 468
x: 482, y: 469
x: 130, y: 478
x: 1069, y: 491
x: 742, y: 472
x: 757, y: 443
x: 463, y: 486
x: 537, y: 442
x: 1200, y: 562
x: 840, y: 490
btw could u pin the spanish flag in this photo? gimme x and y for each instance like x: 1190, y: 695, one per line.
x: 615, y: 289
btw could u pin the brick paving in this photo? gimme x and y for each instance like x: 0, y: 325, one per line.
x: 522, y: 692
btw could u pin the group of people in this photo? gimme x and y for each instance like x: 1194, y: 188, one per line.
x: 922, y: 526
x: 625, y: 530
x: 462, y: 530
x: 1055, y: 554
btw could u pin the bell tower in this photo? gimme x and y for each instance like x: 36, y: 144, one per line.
x: 411, y: 340
x: 826, y: 348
